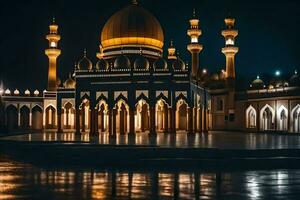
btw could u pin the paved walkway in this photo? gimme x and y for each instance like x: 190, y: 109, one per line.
x: 222, y: 140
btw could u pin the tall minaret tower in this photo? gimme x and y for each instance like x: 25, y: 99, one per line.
x: 52, y: 52
x: 194, y: 47
x: 230, y: 50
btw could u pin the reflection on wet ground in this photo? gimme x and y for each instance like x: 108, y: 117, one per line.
x: 23, y: 181
x: 223, y: 140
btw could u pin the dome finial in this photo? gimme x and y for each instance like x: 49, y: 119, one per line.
x: 84, y: 52
x: 194, y: 13
x: 134, y: 2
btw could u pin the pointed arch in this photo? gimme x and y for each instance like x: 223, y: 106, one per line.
x: 142, y: 97
x: 37, y: 117
x: 282, y: 116
x: 161, y: 96
x: 121, y: 97
x: 24, y: 117
x: 122, y: 116
x: 267, y: 117
x: 295, y: 118
x: 102, y: 115
x: 251, y: 117
x: 142, y: 118
x: 161, y: 111
x: 11, y: 117
x: 50, y: 119
x: 181, y: 114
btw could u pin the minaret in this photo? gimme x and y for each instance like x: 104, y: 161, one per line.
x: 194, y: 47
x: 172, y: 52
x: 52, y: 52
x: 230, y: 50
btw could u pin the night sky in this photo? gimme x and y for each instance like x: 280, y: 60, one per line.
x: 268, y: 34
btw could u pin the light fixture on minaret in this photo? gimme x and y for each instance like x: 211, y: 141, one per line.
x: 194, y: 47
x: 230, y: 50
x: 52, y: 52
x: 172, y: 52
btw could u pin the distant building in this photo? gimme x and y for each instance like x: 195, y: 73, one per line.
x: 133, y: 88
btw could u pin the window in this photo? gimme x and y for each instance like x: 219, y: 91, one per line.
x: 220, y: 104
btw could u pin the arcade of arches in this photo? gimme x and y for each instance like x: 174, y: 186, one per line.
x: 270, y: 119
x: 121, y: 119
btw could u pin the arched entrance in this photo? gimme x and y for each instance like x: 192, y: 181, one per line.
x: 250, y: 117
x: 50, y: 117
x: 181, y: 115
x: 68, y: 116
x: 103, y: 116
x: 283, y: 119
x: 85, y: 115
x: 267, y: 118
x: 161, y: 116
x: 37, y: 118
x: 296, y: 119
x: 11, y: 118
x: 142, y: 116
x: 122, y: 119
x: 24, y: 118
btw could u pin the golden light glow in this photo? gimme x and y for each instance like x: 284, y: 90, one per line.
x: 132, y: 41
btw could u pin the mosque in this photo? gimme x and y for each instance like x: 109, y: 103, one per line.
x: 133, y: 88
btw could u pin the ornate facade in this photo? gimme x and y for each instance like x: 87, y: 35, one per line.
x: 133, y: 88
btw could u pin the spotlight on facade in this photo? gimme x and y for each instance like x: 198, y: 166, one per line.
x: 277, y: 73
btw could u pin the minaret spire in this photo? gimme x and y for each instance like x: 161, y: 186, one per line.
x: 194, y: 46
x: 230, y: 49
x: 52, y: 52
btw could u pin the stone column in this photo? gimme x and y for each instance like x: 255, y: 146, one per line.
x: 152, y: 121
x: 77, y: 124
x: 91, y: 121
x: 195, y: 119
x: 59, y: 129
x: 172, y: 120
x: 83, y: 118
x: 205, y: 120
x: 166, y: 119
x: 200, y: 119
x: 190, y: 120
x: 110, y: 119
x: 122, y: 120
x: 131, y: 122
x: 114, y: 122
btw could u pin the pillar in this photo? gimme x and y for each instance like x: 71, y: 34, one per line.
x: 114, y: 122
x: 131, y: 121
x: 122, y: 120
x: 200, y: 119
x: 190, y: 120
x: 152, y: 121
x: 166, y: 119
x: 110, y: 119
x: 77, y: 124
x: 195, y: 118
x: 59, y: 129
x: 205, y: 120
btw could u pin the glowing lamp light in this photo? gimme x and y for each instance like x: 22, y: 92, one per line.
x: 36, y: 93
x: 257, y: 77
x: 194, y: 40
x: 27, y: 92
x: 16, y: 92
x: 204, y: 71
x: 229, y: 41
x: 277, y: 73
x: 53, y: 44
x: 7, y: 92
x: 1, y: 91
x: 296, y: 72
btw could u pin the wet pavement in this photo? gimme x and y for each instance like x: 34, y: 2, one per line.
x: 24, y: 181
x: 222, y: 140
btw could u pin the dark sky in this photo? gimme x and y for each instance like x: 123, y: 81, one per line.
x: 268, y: 34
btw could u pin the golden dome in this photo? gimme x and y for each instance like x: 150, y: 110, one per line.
x: 131, y: 27
x: 70, y: 83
